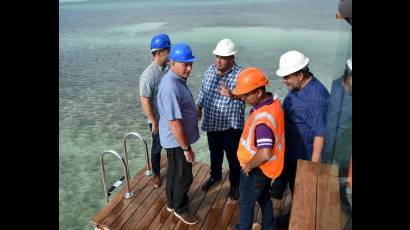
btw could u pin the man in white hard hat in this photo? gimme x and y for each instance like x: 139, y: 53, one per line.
x: 223, y: 114
x: 305, y: 108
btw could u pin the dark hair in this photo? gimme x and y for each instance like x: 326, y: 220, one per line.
x: 305, y: 71
x: 261, y: 88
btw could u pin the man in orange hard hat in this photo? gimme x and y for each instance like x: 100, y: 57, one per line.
x: 261, y: 148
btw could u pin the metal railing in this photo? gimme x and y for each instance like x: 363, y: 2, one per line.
x: 124, y: 161
x: 128, y: 194
x: 149, y: 171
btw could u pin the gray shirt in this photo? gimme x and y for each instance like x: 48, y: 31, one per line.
x: 149, y: 81
x: 175, y: 101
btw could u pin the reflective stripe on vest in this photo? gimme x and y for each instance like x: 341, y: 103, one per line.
x: 247, y: 143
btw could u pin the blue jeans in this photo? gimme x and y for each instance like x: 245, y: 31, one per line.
x: 255, y: 187
x: 155, y: 152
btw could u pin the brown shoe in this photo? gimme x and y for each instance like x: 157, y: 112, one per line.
x: 187, y: 217
x: 156, y: 181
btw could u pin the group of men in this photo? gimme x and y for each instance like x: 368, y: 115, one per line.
x: 264, y: 148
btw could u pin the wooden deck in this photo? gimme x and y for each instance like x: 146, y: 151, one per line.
x: 316, y: 203
x: 147, y: 208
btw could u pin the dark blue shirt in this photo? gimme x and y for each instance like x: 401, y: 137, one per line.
x: 305, y: 118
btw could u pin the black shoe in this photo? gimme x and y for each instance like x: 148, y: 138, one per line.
x: 234, y: 193
x: 209, y: 183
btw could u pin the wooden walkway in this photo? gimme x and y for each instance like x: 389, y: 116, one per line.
x: 316, y: 201
x: 147, y: 208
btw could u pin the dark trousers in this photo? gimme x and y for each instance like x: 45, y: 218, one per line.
x: 155, y: 152
x: 228, y: 141
x: 288, y: 175
x: 255, y: 187
x: 179, y: 179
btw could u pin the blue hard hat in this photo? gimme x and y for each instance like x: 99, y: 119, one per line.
x: 181, y: 52
x: 160, y: 41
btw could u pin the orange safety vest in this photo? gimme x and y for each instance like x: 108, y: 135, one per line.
x: 271, y: 115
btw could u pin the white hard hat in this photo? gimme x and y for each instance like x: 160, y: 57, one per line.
x: 349, y: 63
x: 291, y: 62
x: 225, y: 48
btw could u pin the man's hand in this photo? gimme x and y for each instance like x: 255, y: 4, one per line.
x: 199, y: 112
x: 246, y: 170
x: 154, y: 129
x: 223, y: 90
x: 189, y: 156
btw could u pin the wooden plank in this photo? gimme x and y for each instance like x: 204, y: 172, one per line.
x: 164, y: 217
x: 214, y: 208
x: 226, y: 215
x: 256, y: 211
x: 235, y: 218
x: 161, y: 218
x: 217, y: 207
x: 118, y: 198
x: 194, y: 190
x: 97, y: 219
x: 156, y: 207
x: 208, y: 200
x: 258, y: 218
x: 328, y: 199
x: 148, y: 194
x: 328, y: 169
x: 126, y: 207
x: 303, y: 214
x: 156, y: 210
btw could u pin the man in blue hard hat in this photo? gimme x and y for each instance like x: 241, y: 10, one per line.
x: 178, y: 127
x: 148, y: 88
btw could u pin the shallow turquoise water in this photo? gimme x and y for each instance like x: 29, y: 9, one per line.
x: 104, y: 49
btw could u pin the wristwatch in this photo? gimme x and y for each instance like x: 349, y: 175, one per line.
x: 186, y: 149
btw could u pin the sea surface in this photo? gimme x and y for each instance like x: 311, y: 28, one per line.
x: 104, y: 47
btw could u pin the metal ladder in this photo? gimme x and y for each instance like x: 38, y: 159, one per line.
x: 124, y: 160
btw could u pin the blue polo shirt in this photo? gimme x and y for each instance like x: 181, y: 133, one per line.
x: 175, y: 101
x: 305, y: 117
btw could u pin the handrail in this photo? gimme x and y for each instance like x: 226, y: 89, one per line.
x: 128, y: 194
x: 149, y: 171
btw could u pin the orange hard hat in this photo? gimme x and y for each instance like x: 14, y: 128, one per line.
x: 249, y: 79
